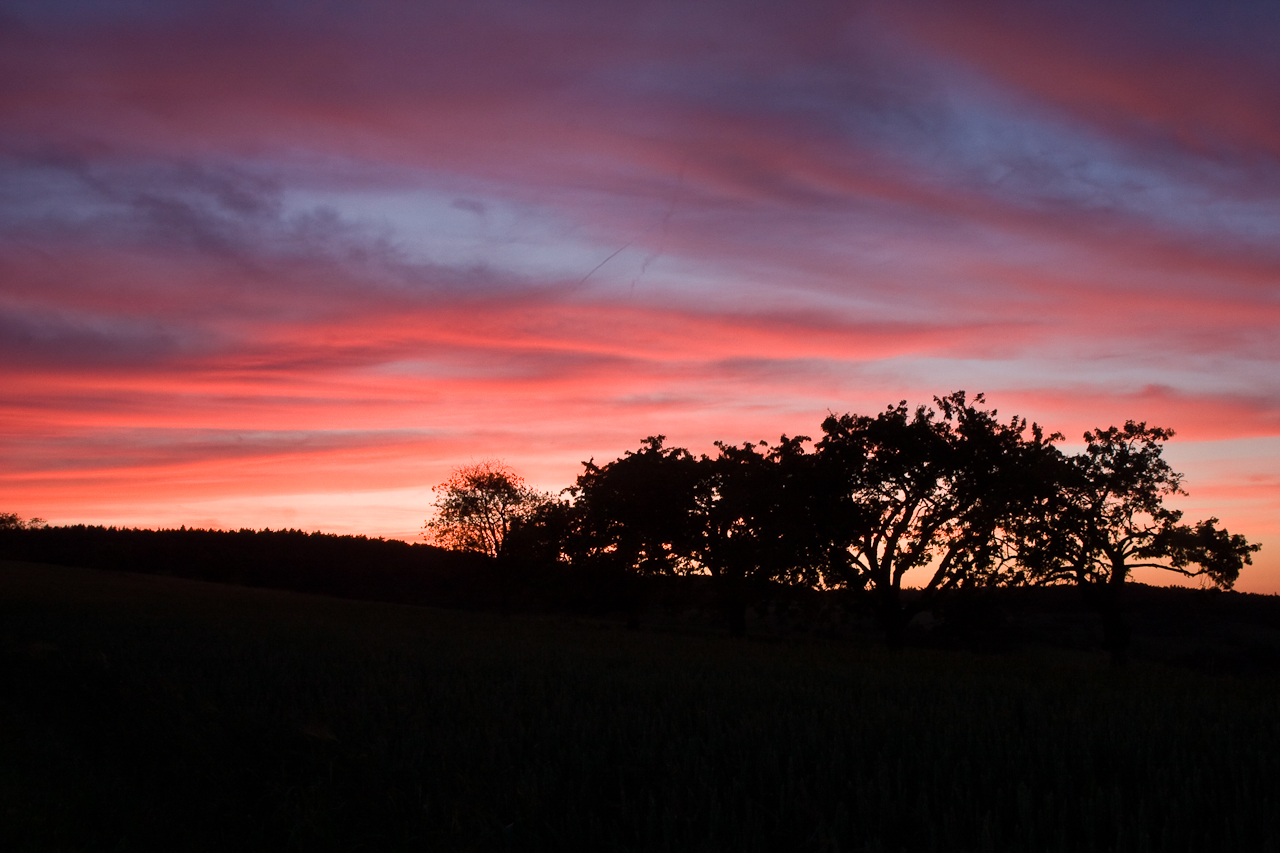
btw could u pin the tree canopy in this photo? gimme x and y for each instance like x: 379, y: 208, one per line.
x: 1108, y: 516
x: 950, y: 494
x: 640, y: 512
x: 478, y: 505
x: 939, y: 488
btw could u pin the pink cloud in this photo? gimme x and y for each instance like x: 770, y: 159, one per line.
x: 822, y: 210
x: 1194, y: 417
x: 1203, y: 83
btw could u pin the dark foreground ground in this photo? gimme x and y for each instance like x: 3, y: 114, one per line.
x: 143, y: 712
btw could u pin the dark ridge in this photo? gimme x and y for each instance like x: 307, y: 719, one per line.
x: 345, y: 566
x: 1205, y: 629
x: 355, y: 567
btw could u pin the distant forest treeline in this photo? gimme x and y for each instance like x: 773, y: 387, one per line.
x: 347, y: 566
x: 974, y: 504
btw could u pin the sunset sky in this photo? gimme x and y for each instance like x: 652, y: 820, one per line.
x: 278, y: 264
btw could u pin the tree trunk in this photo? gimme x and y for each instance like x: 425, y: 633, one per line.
x: 503, y: 570
x: 894, y: 623
x: 633, y: 589
x: 1107, y: 600
x: 733, y: 601
x: 1116, y: 633
x: 893, y: 620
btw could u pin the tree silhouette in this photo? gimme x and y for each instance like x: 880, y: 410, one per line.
x: 756, y: 521
x: 13, y: 521
x: 542, y: 537
x: 739, y: 517
x: 1109, y: 518
x: 945, y: 488
x: 639, y: 512
x: 478, y: 505
x: 637, y: 517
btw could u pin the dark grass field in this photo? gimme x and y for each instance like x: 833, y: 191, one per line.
x: 141, y: 712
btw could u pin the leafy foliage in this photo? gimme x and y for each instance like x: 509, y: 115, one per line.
x: 478, y: 505
x: 1108, y: 517
x: 944, y: 488
x: 758, y: 521
x: 640, y: 512
x: 951, y: 489
x: 760, y: 514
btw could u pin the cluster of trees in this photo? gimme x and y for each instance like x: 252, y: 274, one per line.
x: 969, y: 500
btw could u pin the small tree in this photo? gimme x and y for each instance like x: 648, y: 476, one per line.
x: 478, y: 505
